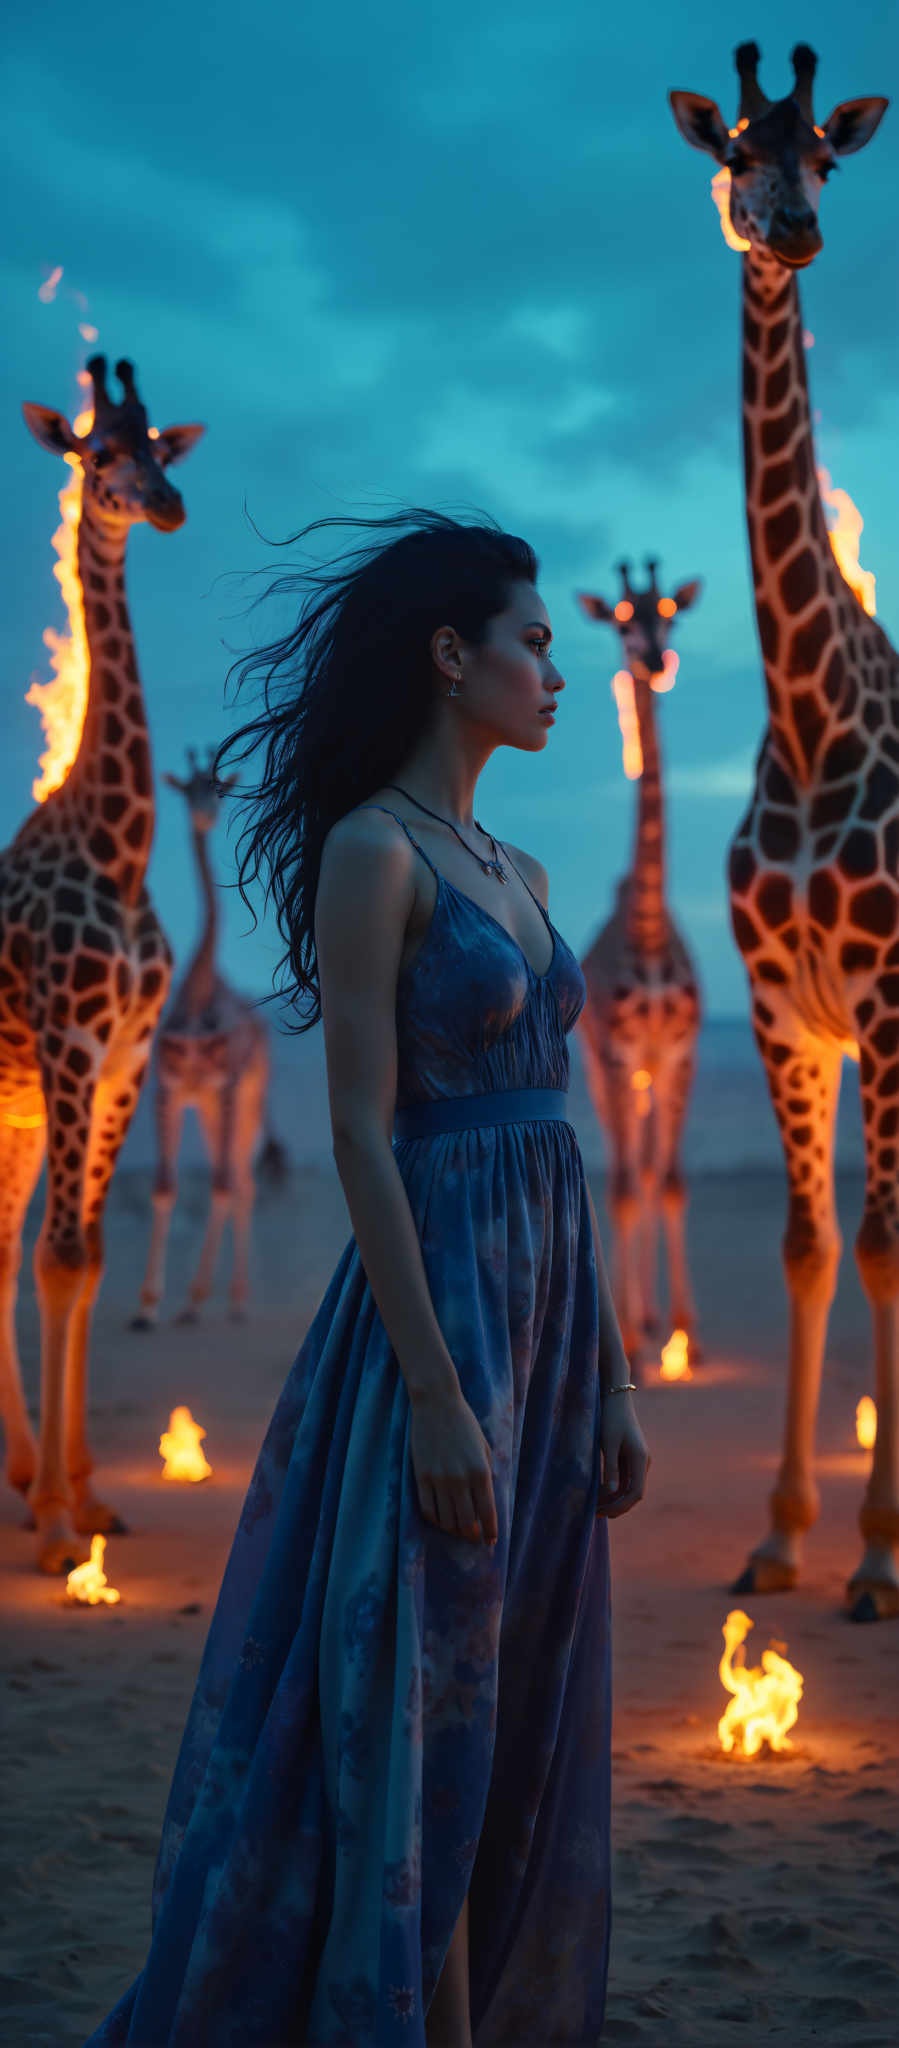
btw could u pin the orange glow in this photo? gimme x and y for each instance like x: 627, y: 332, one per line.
x: 62, y: 703
x: 765, y: 1700
x: 641, y: 1082
x: 179, y: 1445
x: 47, y: 290
x: 818, y: 131
x: 866, y: 1423
x: 670, y: 666
x: 88, y: 1582
x: 844, y: 539
x: 808, y: 339
x: 624, y: 610
x: 623, y: 688
x: 676, y: 1357
x: 721, y: 196
x: 667, y: 607
x: 23, y: 1123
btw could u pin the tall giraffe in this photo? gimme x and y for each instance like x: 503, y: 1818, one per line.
x: 211, y: 1055
x: 640, y: 1021
x: 84, y: 969
x: 814, y: 865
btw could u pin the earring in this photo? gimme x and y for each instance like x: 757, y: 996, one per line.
x: 452, y: 691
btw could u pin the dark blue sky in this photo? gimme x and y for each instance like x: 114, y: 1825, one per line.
x: 456, y: 256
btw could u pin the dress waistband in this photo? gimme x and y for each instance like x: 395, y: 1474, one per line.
x: 463, y: 1112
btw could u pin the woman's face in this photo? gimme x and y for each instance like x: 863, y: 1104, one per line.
x: 508, y: 684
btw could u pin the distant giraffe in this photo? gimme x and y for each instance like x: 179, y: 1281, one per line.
x: 84, y: 969
x: 212, y: 1056
x: 814, y: 866
x: 640, y: 1021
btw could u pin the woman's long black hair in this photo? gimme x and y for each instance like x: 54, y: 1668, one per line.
x: 347, y: 694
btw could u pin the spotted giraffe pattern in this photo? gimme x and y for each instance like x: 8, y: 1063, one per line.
x: 212, y: 1056
x: 641, y: 1016
x: 814, y: 864
x: 84, y: 970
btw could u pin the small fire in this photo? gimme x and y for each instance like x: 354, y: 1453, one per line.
x: 844, y: 539
x: 676, y: 1357
x: 623, y: 688
x: 641, y: 1082
x: 179, y: 1445
x: 62, y: 703
x: 721, y: 196
x: 866, y: 1423
x: 766, y: 1699
x: 88, y: 1582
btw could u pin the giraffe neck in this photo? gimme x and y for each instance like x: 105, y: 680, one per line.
x: 647, y: 918
x: 200, y: 976
x: 109, y: 789
x: 801, y: 599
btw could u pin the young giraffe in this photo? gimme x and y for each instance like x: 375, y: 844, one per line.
x: 212, y: 1055
x: 814, y: 866
x: 84, y: 969
x: 641, y: 1017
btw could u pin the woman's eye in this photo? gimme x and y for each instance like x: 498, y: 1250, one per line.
x: 540, y: 646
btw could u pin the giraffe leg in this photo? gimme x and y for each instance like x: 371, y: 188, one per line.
x: 804, y: 1080
x: 216, y: 1114
x: 21, y: 1154
x: 873, y: 1590
x: 169, y: 1116
x: 115, y: 1101
x: 247, y: 1126
x: 649, y: 1225
x: 60, y: 1270
x: 673, y: 1095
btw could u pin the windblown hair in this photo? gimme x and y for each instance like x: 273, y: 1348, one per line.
x: 346, y: 696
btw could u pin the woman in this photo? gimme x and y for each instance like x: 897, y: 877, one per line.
x: 389, y: 1817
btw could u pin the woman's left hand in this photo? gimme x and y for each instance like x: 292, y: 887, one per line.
x: 625, y: 1458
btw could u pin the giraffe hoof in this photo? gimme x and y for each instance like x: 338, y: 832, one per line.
x: 59, y: 1550
x: 766, y: 1575
x: 21, y: 1479
x: 142, y: 1322
x: 869, y: 1601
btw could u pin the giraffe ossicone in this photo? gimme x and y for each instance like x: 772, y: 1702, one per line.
x: 814, y: 864
x: 84, y: 970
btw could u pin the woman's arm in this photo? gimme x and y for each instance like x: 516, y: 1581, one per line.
x: 365, y: 893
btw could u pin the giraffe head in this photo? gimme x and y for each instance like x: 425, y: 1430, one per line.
x: 123, y: 460
x: 777, y: 155
x: 202, y: 790
x: 643, y: 620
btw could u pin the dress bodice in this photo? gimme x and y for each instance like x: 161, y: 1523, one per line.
x: 471, y: 1013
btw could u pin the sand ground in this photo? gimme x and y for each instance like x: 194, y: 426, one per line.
x: 753, y: 1900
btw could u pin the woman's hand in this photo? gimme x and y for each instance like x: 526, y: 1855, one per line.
x: 625, y: 1458
x: 451, y: 1462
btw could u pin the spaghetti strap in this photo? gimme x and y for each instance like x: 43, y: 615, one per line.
x: 409, y: 835
x: 543, y: 911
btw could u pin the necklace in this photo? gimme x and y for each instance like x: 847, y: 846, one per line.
x: 489, y: 867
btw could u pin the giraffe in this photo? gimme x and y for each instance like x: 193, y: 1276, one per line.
x: 814, y: 864
x: 84, y: 969
x: 640, y: 1021
x: 212, y: 1055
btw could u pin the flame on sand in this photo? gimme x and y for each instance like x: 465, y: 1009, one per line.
x: 88, y: 1582
x: 866, y: 1423
x: 765, y: 1700
x: 844, y: 539
x: 179, y: 1445
x: 676, y: 1357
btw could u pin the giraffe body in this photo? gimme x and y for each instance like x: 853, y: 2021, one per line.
x: 84, y: 970
x: 814, y: 865
x: 212, y: 1057
x: 641, y: 1017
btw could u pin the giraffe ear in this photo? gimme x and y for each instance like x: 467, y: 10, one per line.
x: 687, y: 594
x: 700, y: 122
x: 173, y: 443
x: 596, y: 607
x: 51, y: 429
x: 853, y: 123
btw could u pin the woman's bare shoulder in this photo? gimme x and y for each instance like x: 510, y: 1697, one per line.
x: 533, y: 870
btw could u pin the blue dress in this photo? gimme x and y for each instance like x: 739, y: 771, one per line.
x: 387, y: 1717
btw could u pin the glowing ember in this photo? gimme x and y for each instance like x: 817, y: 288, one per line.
x: 87, y: 332
x: 179, y: 1445
x: 667, y: 607
x: 670, y: 666
x: 808, y: 339
x: 623, y: 688
x: 675, y: 1357
x: 47, y: 290
x: 765, y: 1700
x: 866, y: 1423
x: 641, y: 1082
x: 624, y: 610
x: 88, y: 1581
x: 721, y: 196
x: 844, y: 539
